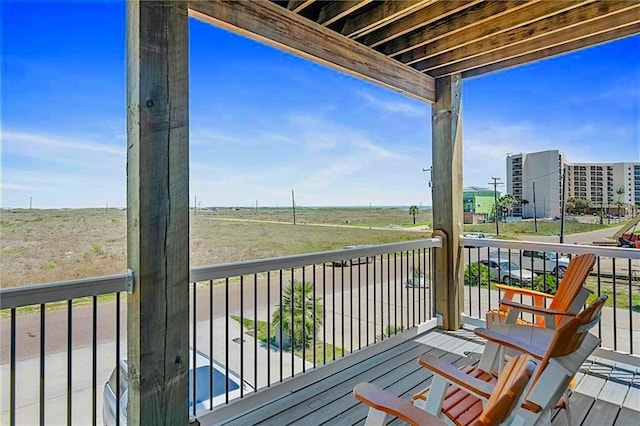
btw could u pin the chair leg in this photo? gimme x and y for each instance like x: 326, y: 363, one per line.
x: 567, y: 411
x: 376, y: 418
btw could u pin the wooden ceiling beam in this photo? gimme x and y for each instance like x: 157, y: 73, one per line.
x: 609, y: 23
x: 526, y: 15
x: 559, y: 23
x: 299, y: 5
x: 383, y: 14
x: 415, y: 21
x: 276, y: 26
x: 555, y: 51
x: 335, y: 10
x: 478, y: 14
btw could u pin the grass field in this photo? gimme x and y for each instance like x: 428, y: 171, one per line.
x: 52, y: 245
x: 548, y: 228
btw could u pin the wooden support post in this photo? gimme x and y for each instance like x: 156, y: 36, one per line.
x: 158, y: 212
x: 447, y: 198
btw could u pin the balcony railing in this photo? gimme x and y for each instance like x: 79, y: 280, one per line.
x: 61, y: 341
x: 352, y: 299
x: 616, y: 273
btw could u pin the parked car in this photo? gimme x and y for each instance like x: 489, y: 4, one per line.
x: 508, y: 272
x: 475, y: 235
x: 354, y: 261
x: 544, y: 261
x: 203, y: 399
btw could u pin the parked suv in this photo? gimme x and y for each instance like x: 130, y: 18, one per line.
x: 540, y: 261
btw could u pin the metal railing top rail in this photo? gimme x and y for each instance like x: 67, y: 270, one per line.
x: 618, y: 252
x: 35, y: 294
x: 224, y: 270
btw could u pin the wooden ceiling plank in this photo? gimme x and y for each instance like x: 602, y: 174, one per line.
x: 298, y: 5
x: 476, y: 15
x: 555, y: 51
x: 533, y: 12
x: 383, y: 14
x: 336, y: 10
x: 276, y: 26
x: 416, y: 20
x: 573, y: 34
x: 527, y: 33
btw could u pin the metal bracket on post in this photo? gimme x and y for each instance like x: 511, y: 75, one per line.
x: 129, y: 282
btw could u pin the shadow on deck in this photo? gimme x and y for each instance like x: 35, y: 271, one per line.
x: 607, y: 393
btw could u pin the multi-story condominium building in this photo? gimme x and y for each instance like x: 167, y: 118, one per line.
x: 604, y: 185
x: 536, y: 180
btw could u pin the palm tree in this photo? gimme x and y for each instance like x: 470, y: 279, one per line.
x: 506, y: 203
x: 413, y: 210
x: 297, y: 314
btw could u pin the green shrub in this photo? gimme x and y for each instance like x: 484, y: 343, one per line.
x: 551, y: 283
x: 476, y: 272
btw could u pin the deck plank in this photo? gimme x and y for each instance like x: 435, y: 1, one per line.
x: 602, y: 386
x: 300, y: 395
x: 404, y: 388
x: 339, y: 399
x: 591, y: 384
x: 627, y: 417
x: 579, y: 405
x: 317, y: 401
x: 602, y: 413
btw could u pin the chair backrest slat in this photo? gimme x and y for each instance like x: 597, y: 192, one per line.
x: 569, y: 286
x: 507, y: 391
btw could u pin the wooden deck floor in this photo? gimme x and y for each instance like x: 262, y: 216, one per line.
x: 607, y: 393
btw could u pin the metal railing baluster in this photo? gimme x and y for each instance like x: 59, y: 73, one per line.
x: 42, y: 362
x: 69, y: 361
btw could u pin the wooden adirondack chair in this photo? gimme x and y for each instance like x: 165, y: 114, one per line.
x: 570, y: 297
x: 561, y: 353
x: 504, y: 397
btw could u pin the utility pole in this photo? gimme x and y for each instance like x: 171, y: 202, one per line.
x: 30, y: 200
x: 535, y: 215
x: 564, y: 195
x: 601, y: 209
x: 495, y: 183
x: 195, y: 204
x: 293, y: 204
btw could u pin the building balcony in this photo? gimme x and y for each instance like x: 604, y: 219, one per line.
x: 369, y: 316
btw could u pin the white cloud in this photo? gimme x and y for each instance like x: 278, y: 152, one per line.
x: 12, y: 137
x: 404, y: 107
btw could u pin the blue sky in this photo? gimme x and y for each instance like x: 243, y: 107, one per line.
x: 264, y: 122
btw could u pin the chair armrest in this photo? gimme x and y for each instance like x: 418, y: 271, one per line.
x: 523, y: 291
x: 452, y: 375
x: 510, y: 342
x: 534, y: 309
x: 382, y: 400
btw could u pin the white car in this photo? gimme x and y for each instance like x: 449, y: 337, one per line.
x: 544, y: 261
x: 203, y: 399
x: 508, y: 272
x: 475, y: 235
